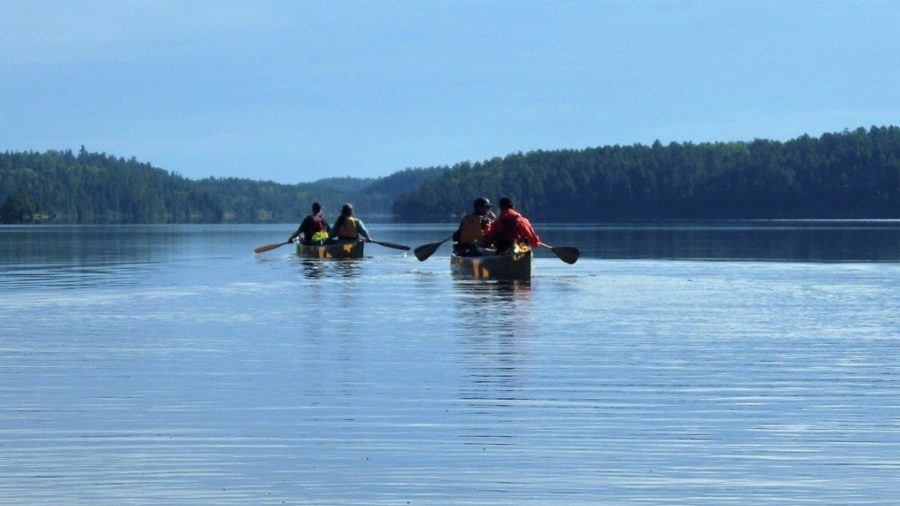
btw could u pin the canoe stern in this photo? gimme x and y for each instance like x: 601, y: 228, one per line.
x: 349, y: 249
x: 516, y: 266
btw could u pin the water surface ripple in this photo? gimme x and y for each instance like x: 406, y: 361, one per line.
x: 168, y: 364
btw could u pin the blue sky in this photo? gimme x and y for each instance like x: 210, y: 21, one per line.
x: 295, y: 91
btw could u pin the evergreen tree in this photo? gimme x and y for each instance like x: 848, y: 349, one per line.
x: 18, y: 208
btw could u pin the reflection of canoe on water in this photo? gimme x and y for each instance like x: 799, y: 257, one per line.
x: 511, y: 266
x: 342, y: 249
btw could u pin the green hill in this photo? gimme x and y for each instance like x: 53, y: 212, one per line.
x: 841, y: 175
x: 97, y: 188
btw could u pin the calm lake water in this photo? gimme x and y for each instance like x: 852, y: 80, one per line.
x: 693, y: 363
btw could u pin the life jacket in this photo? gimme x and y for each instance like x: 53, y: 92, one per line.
x: 312, y: 224
x: 318, y: 224
x: 470, y: 230
x: 348, y: 229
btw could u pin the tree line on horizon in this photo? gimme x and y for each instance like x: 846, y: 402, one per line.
x: 851, y: 174
x: 65, y: 187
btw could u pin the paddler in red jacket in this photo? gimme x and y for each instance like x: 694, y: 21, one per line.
x: 510, y: 228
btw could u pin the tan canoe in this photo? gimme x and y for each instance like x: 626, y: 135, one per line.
x: 513, y: 266
x: 342, y: 249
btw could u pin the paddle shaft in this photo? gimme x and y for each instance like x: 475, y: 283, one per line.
x: 391, y: 245
x: 269, y: 247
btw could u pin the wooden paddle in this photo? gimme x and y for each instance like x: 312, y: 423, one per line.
x: 426, y: 250
x: 391, y: 245
x: 263, y: 249
x: 567, y: 254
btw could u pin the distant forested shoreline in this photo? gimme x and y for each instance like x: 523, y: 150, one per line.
x: 851, y: 174
x: 84, y: 187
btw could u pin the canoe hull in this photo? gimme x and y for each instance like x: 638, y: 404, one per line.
x: 516, y: 266
x: 348, y: 249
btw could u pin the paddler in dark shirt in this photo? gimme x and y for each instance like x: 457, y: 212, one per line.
x: 312, y: 225
x: 472, y: 229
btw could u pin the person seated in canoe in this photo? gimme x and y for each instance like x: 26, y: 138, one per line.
x: 509, y: 229
x: 467, y: 238
x: 348, y: 227
x: 314, y: 228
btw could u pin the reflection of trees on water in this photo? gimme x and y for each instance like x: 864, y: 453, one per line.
x: 65, y: 257
x: 796, y: 241
x: 495, y: 327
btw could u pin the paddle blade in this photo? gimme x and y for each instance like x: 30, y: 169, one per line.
x: 567, y: 254
x: 263, y: 249
x: 392, y: 245
x: 426, y: 250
